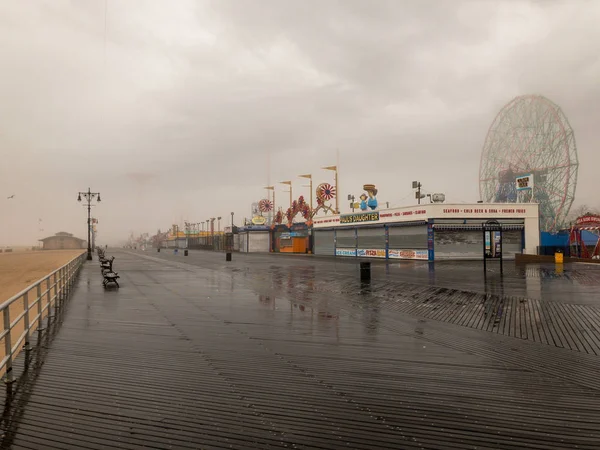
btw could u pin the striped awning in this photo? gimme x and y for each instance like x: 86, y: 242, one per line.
x: 473, y: 226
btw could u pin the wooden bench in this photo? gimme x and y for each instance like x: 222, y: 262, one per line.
x: 110, y: 277
x: 107, y: 265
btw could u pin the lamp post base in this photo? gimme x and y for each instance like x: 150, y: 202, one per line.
x: 89, y: 256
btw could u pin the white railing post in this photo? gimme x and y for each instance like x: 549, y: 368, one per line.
x: 55, y: 290
x: 27, y: 346
x: 49, y: 298
x: 8, y: 376
x: 61, y: 281
x: 40, y: 300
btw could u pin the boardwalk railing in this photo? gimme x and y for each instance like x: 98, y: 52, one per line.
x: 26, y: 311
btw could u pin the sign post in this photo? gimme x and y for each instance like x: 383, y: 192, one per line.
x: 492, y: 243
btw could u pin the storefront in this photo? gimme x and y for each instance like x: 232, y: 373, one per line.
x: 254, y: 239
x: 296, y: 239
x: 427, y: 232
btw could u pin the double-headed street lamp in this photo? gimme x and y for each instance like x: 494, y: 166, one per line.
x: 89, y: 196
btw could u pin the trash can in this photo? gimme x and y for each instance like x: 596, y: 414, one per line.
x: 365, y: 271
x: 228, y: 256
x: 185, y: 253
x: 558, y: 257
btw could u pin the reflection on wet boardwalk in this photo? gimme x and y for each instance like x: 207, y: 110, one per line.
x: 267, y: 352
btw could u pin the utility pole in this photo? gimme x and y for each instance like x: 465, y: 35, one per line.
x: 417, y: 185
x: 89, y: 196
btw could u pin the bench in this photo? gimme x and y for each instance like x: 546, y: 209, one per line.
x: 110, y: 277
x: 107, y: 265
x: 106, y: 268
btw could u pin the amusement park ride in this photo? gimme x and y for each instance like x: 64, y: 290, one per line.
x: 530, y: 155
x: 590, y: 223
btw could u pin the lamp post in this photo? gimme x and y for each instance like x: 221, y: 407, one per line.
x: 289, y: 183
x: 337, y: 187
x: 187, y: 234
x: 89, y: 196
x: 309, y: 187
x: 269, y: 188
x: 232, y: 221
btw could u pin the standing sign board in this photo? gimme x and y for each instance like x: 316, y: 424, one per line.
x: 492, y: 242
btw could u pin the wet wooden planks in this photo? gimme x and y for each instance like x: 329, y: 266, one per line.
x: 564, y: 325
x: 184, y: 360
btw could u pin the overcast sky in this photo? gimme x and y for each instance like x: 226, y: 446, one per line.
x: 170, y: 108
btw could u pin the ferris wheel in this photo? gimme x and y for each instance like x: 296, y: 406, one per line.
x: 531, y: 137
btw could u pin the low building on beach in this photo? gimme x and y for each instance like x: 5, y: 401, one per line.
x: 63, y: 241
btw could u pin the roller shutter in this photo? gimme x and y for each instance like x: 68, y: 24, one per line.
x: 512, y: 243
x: 466, y: 241
x: 345, y: 238
x: 371, y: 238
x: 408, y: 237
x: 458, y: 244
x: 259, y: 242
x: 324, y: 244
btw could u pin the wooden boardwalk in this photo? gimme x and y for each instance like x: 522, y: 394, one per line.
x: 247, y: 356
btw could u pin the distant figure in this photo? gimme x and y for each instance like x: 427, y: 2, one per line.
x: 106, y: 247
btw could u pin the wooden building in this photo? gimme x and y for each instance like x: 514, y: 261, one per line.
x: 63, y: 241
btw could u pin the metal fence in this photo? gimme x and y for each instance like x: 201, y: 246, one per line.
x: 40, y: 298
x: 221, y: 242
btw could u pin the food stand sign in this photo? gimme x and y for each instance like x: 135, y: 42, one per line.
x: 525, y: 182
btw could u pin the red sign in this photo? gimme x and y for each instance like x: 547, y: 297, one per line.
x: 589, y: 219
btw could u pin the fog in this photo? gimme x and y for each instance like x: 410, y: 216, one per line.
x: 176, y: 111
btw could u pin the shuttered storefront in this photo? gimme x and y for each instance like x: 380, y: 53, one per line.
x: 324, y: 244
x: 512, y: 243
x: 466, y: 242
x: 371, y: 238
x: 414, y: 237
x: 345, y: 239
x: 370, y: 242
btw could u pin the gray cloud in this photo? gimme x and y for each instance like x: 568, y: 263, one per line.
x: 172, y: 112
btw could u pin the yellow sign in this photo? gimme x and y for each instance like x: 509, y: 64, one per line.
x: 359, y: 217
x: 258, y: 220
